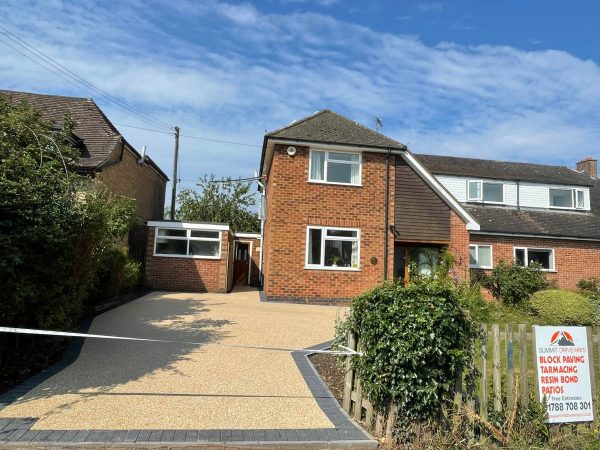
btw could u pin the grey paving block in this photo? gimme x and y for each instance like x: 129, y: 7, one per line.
x: 168, y: 436
x: 156, y: 435
x: 237, y: 435
x: 55, y: 436
x: 131, y: 435
x: 179, y: 436
x: 214, y: 436
x: 4, y: 423
x: 260, y: 435
x: 249, y: 435
x: 302, y: 435
x: 271, y: 435
x: 29, y: 436
x: 291, y: 435
x: 68, y: 435
x: 81, y: 436
x: 203, y: 435
x: 191, y: 436
x: 119, y: 436
x: 94, y: 436
x: 106, y: 436
x: 322, y: 434
x: 15, y: 435
x: 144, y: 436
x: 43, y: 435
x: 333, y: 435
x: 226, y: 435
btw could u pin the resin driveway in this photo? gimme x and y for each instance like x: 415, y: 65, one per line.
x: 202, y: 384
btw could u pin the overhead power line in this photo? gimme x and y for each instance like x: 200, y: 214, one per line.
x: 53, y: 66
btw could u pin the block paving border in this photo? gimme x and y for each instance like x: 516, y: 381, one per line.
x: 346, y: 434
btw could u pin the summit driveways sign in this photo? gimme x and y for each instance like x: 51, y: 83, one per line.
x: 563, y: 373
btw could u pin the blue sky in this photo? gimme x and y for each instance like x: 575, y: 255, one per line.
x: 505, y: 80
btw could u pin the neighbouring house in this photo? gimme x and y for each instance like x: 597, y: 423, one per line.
x: 201, y: 257
x: 105, y: 153
x: 346, y: 207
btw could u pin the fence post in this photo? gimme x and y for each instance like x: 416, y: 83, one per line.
x: 483, y: 382
x: 347, y: 400
x: 496, y: 368
x: 591, y: 363
x: 358, y: 392
x: 389, y: 427
x: 510, y: 374
x: 524, y: 368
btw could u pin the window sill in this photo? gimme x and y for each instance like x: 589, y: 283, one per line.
x: 481, y: 267
x: 334, y: 183
x: 335, y: 269
x: 188, y: 256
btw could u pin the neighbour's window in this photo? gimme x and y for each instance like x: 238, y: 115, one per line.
x: 485, y: 191
x: 188, y: 243
x: 481, y: 256
x: 335, y: 248
x: 334, y: 167
x: 542, y: 256
x: 567, y: 198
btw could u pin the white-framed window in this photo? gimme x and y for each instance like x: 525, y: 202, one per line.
x: 485, y: 191
x: 481, y: 256
x: 335, y: 167
x: 543, y: 256
x: 332, y: 248
x: 567, y: 198
x: 187, y: 243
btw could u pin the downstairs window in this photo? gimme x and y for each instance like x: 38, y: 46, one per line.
x: 542, y: 256
x: 332, y: 248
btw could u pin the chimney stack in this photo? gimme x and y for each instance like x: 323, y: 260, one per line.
x: 588, y: 166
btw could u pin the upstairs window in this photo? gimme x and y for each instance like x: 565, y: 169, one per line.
x: 485, y: 191
x: 542, y: 256
x: 567, y: 198
x: 335, y: 167
x: 188, y: 243
x: 332, y: 248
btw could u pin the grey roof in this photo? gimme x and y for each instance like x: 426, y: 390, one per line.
x: 503, y: 170
x: 329, y: 127
x: 98, y: 134
x: 502, y: 219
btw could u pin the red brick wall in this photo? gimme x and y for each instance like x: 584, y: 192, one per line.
x: 574, y: 260
x: 187, y: 274
x: 459, y: 246
x: 293, y: 203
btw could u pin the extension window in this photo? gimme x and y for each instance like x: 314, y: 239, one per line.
x: 187, y: 243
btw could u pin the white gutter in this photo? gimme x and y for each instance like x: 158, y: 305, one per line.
x: 188, y: 225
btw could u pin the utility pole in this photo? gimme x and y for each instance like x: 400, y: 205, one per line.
x: 174, y: 180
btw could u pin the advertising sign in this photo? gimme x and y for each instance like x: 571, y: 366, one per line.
x: 563, y: 373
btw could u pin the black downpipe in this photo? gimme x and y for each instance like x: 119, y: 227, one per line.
x: 387, y: 215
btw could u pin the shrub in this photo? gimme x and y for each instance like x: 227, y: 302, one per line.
x: 562, y: 307
x: 116, y: 275
x: 589, y: 285
x: 416, y: 341
x: 513, y: 284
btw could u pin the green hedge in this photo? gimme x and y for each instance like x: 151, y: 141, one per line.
x: 562, y: 307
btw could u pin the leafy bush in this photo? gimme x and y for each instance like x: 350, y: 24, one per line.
x: 416, y: 341
x: 589, y: 285
x: 562, y: 307
x: 116, y: 275
x: 513, y: 284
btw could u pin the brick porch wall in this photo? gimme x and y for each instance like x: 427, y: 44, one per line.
x: 459, y: 246
x: 293, y: 203
x: 574, y: 260
x: 187, y: 274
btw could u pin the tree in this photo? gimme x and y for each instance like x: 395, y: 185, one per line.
x: 222, y: 202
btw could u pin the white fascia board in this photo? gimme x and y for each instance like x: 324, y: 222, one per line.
x: 247, y: 235
x: 533, y: 236
x: 434, y: 184
x: 188, y: 225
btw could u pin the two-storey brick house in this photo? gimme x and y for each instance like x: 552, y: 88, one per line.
x: 346, y: 207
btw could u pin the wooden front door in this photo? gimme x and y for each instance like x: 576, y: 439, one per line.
x: 241, y: 263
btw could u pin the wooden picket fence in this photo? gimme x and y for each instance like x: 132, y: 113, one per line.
x: 507, y: 353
